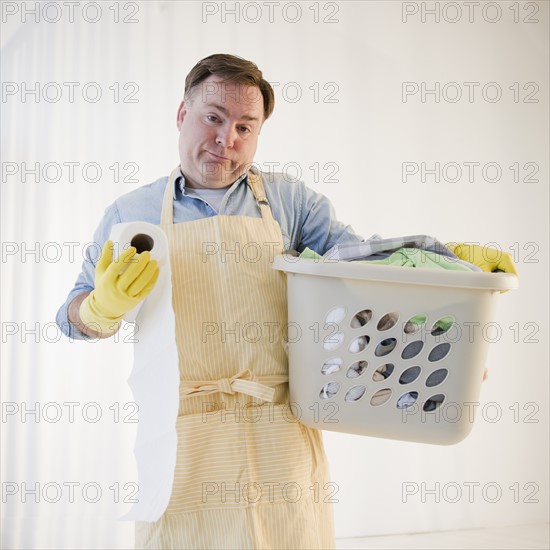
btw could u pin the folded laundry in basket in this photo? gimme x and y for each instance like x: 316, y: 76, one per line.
x: 332, y: 365
x: 376, y: 245
x: 337, y: 315
x: 377, y: 248
x: 383, y: 372
x: 330, y: 390
x: 432, y: 403
x: 424, y: 259
x: 360, y: 319
x: 359, y: 344
x: 440, y: 326
x: 407, y: 400
x: 406, y: 257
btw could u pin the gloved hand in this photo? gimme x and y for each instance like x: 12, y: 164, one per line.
x: 119, y: 286
x: 488, y: 259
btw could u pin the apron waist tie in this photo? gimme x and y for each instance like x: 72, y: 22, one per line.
x: 243, y: 382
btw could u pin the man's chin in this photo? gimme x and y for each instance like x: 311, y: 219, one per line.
x: 219, y: 177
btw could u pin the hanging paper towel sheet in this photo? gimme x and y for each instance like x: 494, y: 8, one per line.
x: 154, y: 379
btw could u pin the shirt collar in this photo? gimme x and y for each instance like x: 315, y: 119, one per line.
x: 179, y: 182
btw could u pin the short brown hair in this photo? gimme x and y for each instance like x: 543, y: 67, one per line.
x: 232, y: 69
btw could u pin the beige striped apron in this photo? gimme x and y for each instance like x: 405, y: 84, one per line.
x: 248, y: 474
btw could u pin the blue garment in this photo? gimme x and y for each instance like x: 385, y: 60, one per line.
x: 307, y: 219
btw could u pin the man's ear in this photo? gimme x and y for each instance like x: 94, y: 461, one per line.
x: 182, y: 111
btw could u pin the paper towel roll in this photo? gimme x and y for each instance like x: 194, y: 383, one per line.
x: 143, y: 236
x: 154, y: 379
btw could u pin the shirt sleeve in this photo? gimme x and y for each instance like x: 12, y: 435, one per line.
x: 85, y: 280
x: 318, y: 227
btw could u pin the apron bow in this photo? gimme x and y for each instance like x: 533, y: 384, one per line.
x: 243, y: 382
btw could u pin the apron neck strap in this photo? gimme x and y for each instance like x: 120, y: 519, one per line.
x: 255, y: 183
x: 167, y: 213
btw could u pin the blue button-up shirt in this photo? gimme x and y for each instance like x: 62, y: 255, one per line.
x: 306, y: 218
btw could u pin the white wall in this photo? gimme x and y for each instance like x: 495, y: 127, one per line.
x: 369, y: 131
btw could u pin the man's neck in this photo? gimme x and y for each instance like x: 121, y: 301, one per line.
x: 209, y: 185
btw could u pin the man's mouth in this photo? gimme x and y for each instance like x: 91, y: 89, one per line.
x: 217, y: 156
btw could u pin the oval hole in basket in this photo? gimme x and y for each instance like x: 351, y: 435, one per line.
x: 385, y: 346
x: 332, y: 365
x: 433, y: 402
x: 436, y: 377
x: 380, y: 397
x: 409, y: 375
x: 407, y: 399
x: 388, y: 321
x: 329, y: 390
x: 412, y: 350
x: 383, y: 371
x: 354, y: 394
x: 357, y: 369
x: 361, y: 318
x: 414, y: 324
x: 441, y: 326
x: 359, y: 344
x: 333, y: 341
x: 336, y: 315
x: 438, y: 352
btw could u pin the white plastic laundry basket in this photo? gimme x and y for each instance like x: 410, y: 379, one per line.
x: 393, y: 352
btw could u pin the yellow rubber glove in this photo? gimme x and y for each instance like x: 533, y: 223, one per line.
x: 488, y: 259
x: 119, y: 286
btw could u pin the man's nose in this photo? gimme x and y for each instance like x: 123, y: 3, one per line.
x: 226, y: 136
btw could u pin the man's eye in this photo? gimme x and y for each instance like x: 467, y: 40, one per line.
x: 245, y: 129
x: 212, y: 118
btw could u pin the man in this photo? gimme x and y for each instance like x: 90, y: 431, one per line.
x: 215, y: 196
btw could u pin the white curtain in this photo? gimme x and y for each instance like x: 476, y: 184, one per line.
x: 353, y: 113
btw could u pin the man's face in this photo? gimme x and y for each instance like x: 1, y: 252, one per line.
x: 219, y: 127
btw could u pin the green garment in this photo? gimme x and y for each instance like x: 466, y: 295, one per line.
x: 423, y: 259
x: 406, y: 257
x: 309, y: 254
